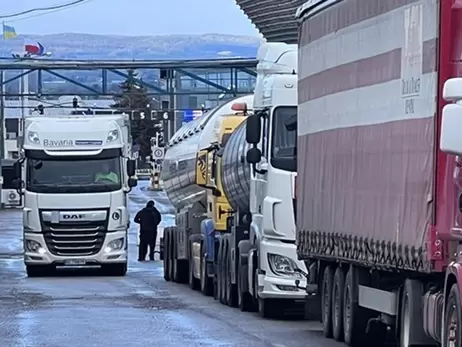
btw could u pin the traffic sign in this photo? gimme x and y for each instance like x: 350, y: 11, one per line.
x: 158, y: 153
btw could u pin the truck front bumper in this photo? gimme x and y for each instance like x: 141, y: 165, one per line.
x: 107, y: 255
x: 274, y: 286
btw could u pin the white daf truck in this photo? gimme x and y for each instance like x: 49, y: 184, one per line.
x: 75, y: 174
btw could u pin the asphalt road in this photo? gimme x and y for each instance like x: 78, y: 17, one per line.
x: 140, y: 309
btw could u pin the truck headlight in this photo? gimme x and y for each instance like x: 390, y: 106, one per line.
x: 34, y: 247
x: 33, y: 137
x: 283, y: 266
x: 114, y: 245
x: 112, y: 135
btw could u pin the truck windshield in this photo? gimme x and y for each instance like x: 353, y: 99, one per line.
x: 73, y: 175
x: 284, y: 139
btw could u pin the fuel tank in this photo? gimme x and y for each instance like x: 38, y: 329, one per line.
x: 235, y: 170
x: 179, y: 167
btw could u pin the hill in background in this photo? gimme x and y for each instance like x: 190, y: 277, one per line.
x: 86, y: 46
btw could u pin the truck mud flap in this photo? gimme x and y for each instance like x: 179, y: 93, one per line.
x: 243, y: 263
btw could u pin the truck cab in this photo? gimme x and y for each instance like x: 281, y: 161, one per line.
x: 75, y: 174
x: 271, y: 133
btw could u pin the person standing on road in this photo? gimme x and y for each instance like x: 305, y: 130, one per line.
x: 149, y: 219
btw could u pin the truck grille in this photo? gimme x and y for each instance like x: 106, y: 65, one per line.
x: 76, y: 238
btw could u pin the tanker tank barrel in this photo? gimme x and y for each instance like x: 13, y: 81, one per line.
x: 179, y: 166
x: 235, y: 171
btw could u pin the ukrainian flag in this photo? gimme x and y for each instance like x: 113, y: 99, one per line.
x: 9, y: 32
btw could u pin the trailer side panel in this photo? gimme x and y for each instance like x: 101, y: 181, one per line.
x: 367, y: 103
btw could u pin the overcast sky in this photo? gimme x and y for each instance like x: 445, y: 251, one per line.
x: 131, y: 17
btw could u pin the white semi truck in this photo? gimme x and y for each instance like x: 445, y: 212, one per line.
x: 75, y: 173
x: 235, y: 219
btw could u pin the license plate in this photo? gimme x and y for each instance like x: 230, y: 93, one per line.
x: 74, y: 262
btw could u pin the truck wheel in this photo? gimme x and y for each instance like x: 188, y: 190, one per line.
x: 115, y: 269
x: 166, y: 261
x: 193, y: 281
x: 337, y: 304
x: 326, y: 300
x: 224, y: 274
x: 231, y: 294
x: 206, y: 281
x: 411, y: 332
x: 219, y: 271
x: 179, y: 266
x: 269, y: 308
x: 244, y: 299
x: 453, y: 319
x: 355, y: 318
x: 39, y: 270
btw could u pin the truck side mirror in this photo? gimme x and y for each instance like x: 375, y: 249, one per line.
x: 451, y: 122
x: 132, y: 182
x: 253, y: 155
x: 131, y: 167
x: 252, y: 129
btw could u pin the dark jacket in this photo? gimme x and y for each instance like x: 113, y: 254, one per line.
x: 148, y: 219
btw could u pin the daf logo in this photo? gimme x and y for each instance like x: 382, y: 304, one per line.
x: 73, y: 216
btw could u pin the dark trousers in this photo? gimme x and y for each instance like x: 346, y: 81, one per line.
x: 147, y: 239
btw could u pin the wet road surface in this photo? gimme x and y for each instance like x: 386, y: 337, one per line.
x: 140, y: 309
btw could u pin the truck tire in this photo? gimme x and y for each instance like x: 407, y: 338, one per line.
x: 411, y: 333
x: 179, y: 266
x: 170, y: 255
x: 244, y: 299
x: 206, y: 281
x: 180, y: 270
x: 337, y: 304
x: 221, y: 271
x: 39, y: 270
x: 453, y: 319
x: 355, y: 318
x: 224, y: 274
x: 119, y: 269
x: 231, y: 293
x: 270, y: 308
x: 326, y: 300
x: 194, y: 283
x: 218, y: 272
x: 166, y: 260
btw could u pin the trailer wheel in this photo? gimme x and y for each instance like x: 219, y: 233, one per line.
x: 337, y: 304
x: 231, y: 290
x: 194, y: 283
x: 206, y: 281
x: 411, y: 333
x: 453, y: 319
x: 355, y: 318
x: 224, y: 272
x: 220, y: 271
x: 326, y: 300
x: 180, y: 267
x: 166, y: 260
x: 244, y: 299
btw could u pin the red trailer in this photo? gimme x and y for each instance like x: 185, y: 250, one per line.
x: 379, y: 204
